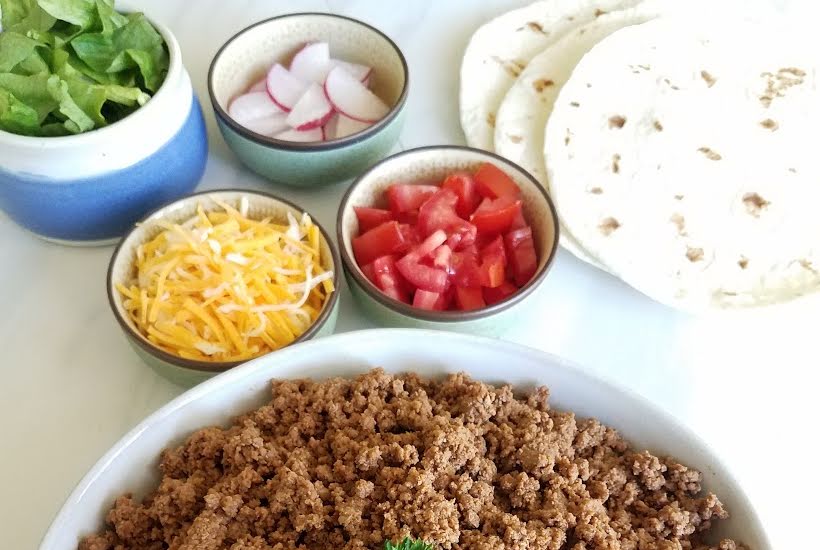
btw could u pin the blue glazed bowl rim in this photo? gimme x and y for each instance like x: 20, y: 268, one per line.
x: 218, y: 366
x: 174, y: 66
x: 408, y: 310
x: 319, y: 145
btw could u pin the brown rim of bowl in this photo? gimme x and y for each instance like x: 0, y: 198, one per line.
x: 318, y: 145
x: 445, y: 316
x: 219, y: 366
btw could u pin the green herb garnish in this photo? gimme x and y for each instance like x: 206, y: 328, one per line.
x: 70, y: 66
x: 408, y: 544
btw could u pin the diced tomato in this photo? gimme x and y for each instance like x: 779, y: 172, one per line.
x: 465, y: 270
x: 430, y: 244
x: 424, y: 299
x: 469, y: 298
x: 492, y: 182
x: 493, y: 262
x: 445, y: 301
x: 464, y: 186
x: 371, y: 217
x: 517, y: 236
x: 407, y: 198
x: 521, y: 253
x: 442, y: 256
x: 411, y: 218
x: 495, y: 295
x: 519, y: 221
x: 438, y: 212
x: 389, y: 280
x: 369, y: 272
x: 410, y: 234
x: 379, y: 241
x: 460, y: 245
x: 422, y: 276
x: 495, y: 216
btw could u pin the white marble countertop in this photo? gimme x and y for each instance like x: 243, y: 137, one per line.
x: 71, y: 386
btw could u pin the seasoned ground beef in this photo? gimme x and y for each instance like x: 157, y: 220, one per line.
x: 346, y: 464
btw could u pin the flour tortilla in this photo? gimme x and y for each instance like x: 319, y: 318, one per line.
x: 499, y: 50
x: 685, y: 162
x: 523, y: 114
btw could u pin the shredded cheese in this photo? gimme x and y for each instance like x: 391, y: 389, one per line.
x: 223, y: 287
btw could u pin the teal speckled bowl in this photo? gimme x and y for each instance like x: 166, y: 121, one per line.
x: 247, y: 57
x: 188, y: 372
x: 424, y: 165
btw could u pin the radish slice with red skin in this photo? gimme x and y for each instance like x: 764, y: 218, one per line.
x: 359, y: 72
x: 352, y: 98
x: 259, y: 86
x: 267, y: 126
x: 301, y: 137
x: 346, y: 126
x: 312, y: 62
x: 252, y: 106
x: 284, y: 88
x: 311, y: 111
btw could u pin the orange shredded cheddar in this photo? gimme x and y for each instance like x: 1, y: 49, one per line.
x: 223, y: 287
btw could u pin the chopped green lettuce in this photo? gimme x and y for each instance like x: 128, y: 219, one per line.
x: 70, y: 66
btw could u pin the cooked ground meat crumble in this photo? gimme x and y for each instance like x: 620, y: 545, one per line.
x: 347, y: 464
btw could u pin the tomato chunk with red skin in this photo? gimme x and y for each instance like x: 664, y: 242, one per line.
x: 422, y: 276
x: 493, y: 263
x: 521, y: 254
x: 379, y: 241
x: 371, y: 217
x: 438, y: 212
x: 464, y: 186
x: 498, y: 294
x: 465, y: 270
x: 445, y: 300
x: 369, y: 272
x: 518, y: 220
x: 424, y: 299
x: 403, y: 197
x: 468, y: 299
x: 492, y: 182
x: 388, y: 279
x: 495, y: 216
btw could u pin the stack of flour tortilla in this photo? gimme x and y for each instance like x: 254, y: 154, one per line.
x: 680, y: 156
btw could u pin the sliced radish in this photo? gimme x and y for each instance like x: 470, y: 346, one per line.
x: 267, y: 126
x: 352, y: 98
x: 311, y: 111
x: 259, y: 86
x: 252, y: 106
x: 284, y: 88
x: 359, y: 72
x: 304, y: 136
x: 346, y: 126
x: 330, y: 126
x: 311, y: 63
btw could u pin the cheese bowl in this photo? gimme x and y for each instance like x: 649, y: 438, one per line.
x: 186, y: 371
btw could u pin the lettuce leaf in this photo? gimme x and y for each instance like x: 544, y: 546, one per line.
x: 69, y: 66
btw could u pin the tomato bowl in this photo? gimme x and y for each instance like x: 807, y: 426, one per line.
x: 417, y: 170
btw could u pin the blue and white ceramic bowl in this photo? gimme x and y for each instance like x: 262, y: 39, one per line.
x: 90, y: 188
